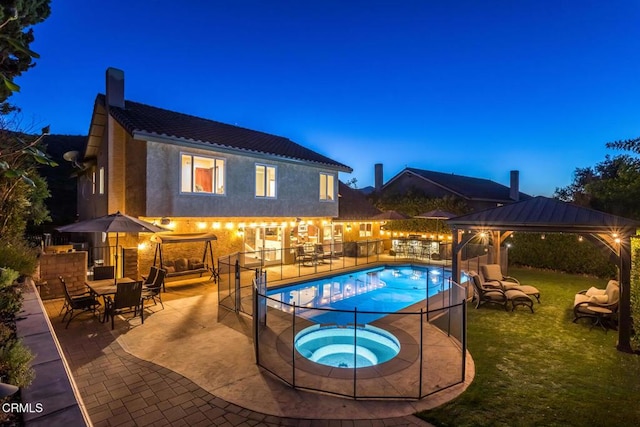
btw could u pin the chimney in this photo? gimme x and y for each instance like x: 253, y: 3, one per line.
x: 514, y: 189
x: 115, y: 88
x: 378, y: 176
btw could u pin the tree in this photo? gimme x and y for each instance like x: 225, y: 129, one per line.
x: 22, y: 190
x: 353, y: 183
x: 611, y: 186
x: 632, y: 145
x: 16, y: 18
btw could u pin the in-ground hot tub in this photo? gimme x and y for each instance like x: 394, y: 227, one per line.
x: 346, y: 347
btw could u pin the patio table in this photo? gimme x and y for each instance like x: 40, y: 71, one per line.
x: 106, y: 287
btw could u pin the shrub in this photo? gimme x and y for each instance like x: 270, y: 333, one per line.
x: 15, y: 364
x: 18, y: 256
x: 635, y: 293
x: 15, y: 358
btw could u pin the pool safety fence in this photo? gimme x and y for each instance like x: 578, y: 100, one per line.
x: 235, y: 284
x: 237, y: 270
x: 409, y: 354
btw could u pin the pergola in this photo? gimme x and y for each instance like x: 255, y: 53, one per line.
x: 545, y: 215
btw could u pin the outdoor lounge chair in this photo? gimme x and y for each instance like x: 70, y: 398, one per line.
x: 79, y: 303
x: 492, y: 275
x: 597, y: 304
x: 487, y: 294
x: 128, y: 298
x: 153, y: 290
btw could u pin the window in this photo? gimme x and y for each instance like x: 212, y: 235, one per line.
x: 365, y: 229
x: 93, y: 181
x: 327, y: 189
x: 265, y: 181
x: 202, y: 175
x: 101, y: 180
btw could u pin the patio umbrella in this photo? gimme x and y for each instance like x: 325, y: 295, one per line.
x: 389, y: 215
x: 436, y: 214
x: 113, y: 223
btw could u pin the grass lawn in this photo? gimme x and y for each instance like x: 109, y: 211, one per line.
x: 541, y: 369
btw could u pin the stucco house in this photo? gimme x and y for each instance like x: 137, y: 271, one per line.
x: 253, y: 190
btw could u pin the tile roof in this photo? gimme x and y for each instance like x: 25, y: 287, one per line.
x: 468, y: 187
x: 142, y: 118
x: 545, y: 214
x: 354, y: 205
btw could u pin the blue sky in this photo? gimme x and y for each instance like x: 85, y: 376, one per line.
x: 468, y: 87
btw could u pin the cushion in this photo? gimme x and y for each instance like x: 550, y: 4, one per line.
x: 599, y: 299
x: 181, y: 264
x: 168, y: 263
x: 170, y: 269
x: 594, y: 291
x: 491, y: 272
x: 613, y: 291
x: 580, y: 298
x: 195, y: 263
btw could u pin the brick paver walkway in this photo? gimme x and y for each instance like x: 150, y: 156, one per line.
x: 119, y: 389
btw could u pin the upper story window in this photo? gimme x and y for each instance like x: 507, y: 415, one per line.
x: 202, y: 174
x: 93, y: 181
x: 101, y: 180
x: 327, y: 187
x: 265, y: 181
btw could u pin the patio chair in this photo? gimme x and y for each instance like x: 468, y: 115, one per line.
x: 73, y: 294
x: 151, y: 277
x: 154, y: 290
x: 321, y: 254
x: 487, y: 294
x: 128, y: 297
x: 303, y: 257
x: 103, y: 272
x: 492, y: 275
x: 81, y: 303
x: 597, y: 304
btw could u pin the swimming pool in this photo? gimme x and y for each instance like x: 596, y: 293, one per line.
x: 374, y: 292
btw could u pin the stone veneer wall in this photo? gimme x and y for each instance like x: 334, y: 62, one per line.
x: 72, y: 266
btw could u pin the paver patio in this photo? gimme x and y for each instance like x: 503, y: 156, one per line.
x: 168, y: 371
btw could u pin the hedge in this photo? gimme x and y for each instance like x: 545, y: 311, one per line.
x: 560, y: 251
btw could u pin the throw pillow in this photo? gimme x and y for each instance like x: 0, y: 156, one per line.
x: 594, y: 291
x: 599, y: 299
x: 182, y: 264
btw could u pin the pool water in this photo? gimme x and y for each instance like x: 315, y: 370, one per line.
x: 382, y: 290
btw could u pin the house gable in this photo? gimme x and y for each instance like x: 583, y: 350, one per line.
x: 439, y: 184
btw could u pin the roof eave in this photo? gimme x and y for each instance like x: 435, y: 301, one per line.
x: 138, y: 134
x: 624, y: 229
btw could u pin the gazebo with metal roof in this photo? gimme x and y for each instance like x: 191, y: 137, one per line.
x: 545, y: 215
